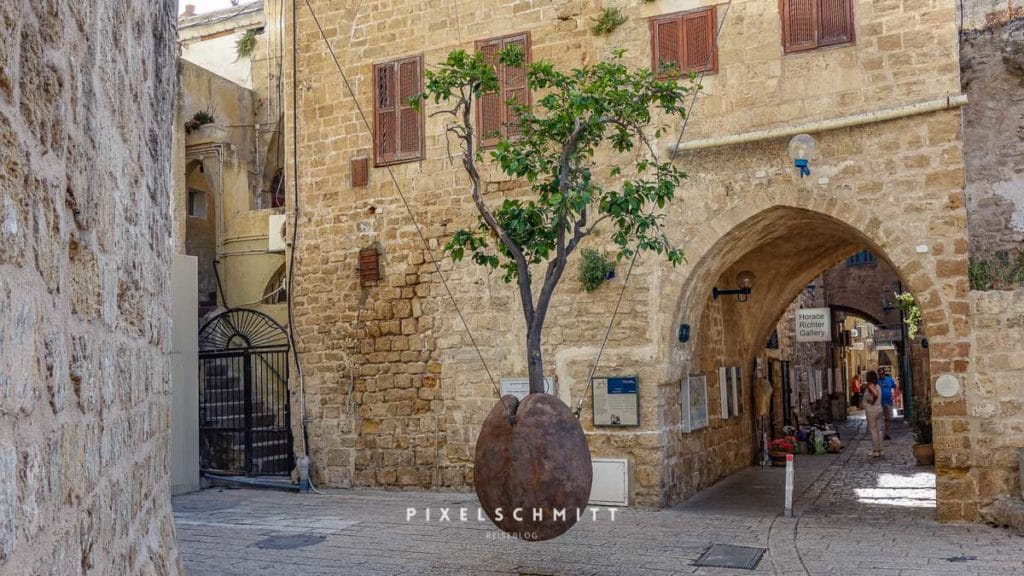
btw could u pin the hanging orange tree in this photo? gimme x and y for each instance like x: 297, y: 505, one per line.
x: 554, y: 150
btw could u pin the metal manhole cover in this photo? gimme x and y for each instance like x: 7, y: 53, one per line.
x: 290, y: 542
x: 729, y: 556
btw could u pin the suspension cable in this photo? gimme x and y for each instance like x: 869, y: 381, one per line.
x: 632, y: 261
x: 405, y: 202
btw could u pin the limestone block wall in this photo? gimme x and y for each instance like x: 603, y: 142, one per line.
x: 396, y: 392
x: 977, y: 452
x: 86, y: 105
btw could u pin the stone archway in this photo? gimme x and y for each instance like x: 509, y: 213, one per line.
x: 786, y: 246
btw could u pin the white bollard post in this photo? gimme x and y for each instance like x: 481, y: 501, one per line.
x: 789, y: 485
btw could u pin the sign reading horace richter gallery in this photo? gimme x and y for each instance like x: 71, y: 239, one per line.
x: 813, y: 325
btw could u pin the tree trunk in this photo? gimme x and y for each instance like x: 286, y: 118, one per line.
x: 534, y: 360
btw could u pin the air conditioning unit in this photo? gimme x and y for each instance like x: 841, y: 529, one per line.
x: 277, y: 233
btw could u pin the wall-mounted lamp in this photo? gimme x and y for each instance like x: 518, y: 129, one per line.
x: 802, y: 149
x: 746, y: 280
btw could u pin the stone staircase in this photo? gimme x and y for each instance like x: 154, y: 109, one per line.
x: 222, y: 425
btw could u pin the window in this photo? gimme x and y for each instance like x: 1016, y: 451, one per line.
x: 494, y: 116
x: 863, y: 258
x: 196, y: 203
x: 810, y: 24
x: 686, y: 40
x: 398, y: 126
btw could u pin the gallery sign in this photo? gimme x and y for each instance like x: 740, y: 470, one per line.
x: 813, y: 325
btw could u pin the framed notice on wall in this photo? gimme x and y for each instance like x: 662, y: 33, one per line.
x: 737, y: 391
x: 723, y: 389
x: 694, y: 403
x: 616, y: 401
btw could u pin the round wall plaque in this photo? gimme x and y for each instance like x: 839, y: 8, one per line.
x: 947, y: 385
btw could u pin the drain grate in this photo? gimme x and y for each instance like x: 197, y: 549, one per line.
x: 290, y: 542
x: 729, y: 556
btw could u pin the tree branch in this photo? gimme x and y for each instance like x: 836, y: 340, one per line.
x: 469, y: 162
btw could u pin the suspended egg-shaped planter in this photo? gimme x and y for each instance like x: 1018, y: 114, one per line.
x: 532, y: 470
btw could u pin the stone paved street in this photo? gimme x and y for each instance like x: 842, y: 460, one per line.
x: 853, y: 516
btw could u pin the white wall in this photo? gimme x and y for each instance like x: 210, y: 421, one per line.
x: 184, y: 375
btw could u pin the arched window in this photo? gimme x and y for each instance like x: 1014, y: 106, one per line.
x: 276, y: 291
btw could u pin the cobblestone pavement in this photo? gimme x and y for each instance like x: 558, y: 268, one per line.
x: 853, y: 515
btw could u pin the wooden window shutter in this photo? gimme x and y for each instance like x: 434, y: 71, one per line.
x: 666, y: 43
x: 369, y: 266
x: 385, y: 132
x: 410, y: 120
x: 799, y: 24
x: 513, y: 86
x: 835, y: 22
x: 398, y: 127
x: 359, y: 172
x: 490, y: 105
x: 699, y: 30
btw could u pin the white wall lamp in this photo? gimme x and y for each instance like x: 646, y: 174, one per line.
x: 746, y: 280
x: 802, y: 149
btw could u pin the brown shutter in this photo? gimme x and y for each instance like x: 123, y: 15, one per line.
x: 513, y: 85
x: 799, y: 24
x: 666, y: 43
x: 385, y: 111
x: 398, y: 126
x: 698, y: 41
x: 490, y: 105
x: 835, y: 22
x: 410, y: 120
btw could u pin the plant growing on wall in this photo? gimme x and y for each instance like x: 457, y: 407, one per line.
x: 245, y: 45
x: 594, y: 269
x: 1000, y: 271
x: 911, y: 313
x: 607, y: 21
x: 198, y: 119
x: 603, y: 106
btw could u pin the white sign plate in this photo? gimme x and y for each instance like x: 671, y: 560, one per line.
x: 813, y: 325
x: 520, y: 387
x: 947, y: 386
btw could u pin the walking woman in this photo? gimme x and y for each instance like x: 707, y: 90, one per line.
x: 873, y: 409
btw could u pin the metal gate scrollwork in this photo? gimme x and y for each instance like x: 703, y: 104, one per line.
x: 244, y: 410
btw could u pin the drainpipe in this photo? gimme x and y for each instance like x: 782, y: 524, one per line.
x: 944, y: 103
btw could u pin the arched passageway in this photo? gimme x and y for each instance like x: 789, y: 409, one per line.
x: 786, y: 249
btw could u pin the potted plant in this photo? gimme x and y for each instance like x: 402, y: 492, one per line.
x: 921, y: 423
x: 779, y: 448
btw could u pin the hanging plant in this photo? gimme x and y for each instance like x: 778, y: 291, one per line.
x: 911, y: 313
x: 594, y: 269
x: 246, y: 45
x: 607, y: 21
x: 198, y: 119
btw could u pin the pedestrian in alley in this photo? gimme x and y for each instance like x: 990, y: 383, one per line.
x: 873, y: 410
x: 887, y: 384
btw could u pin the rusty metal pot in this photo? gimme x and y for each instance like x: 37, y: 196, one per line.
x: 532, y: 457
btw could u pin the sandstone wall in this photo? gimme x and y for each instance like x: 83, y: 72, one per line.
x: 409, y: 413
x: 978, y: 453
x: 86, y: 98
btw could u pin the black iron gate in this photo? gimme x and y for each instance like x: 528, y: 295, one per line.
x: 244, y: 412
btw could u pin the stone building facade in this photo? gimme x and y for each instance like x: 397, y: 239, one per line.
x: 86, y: 100
x: 394, y: 389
